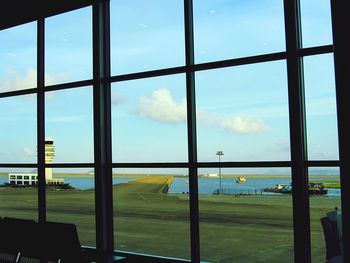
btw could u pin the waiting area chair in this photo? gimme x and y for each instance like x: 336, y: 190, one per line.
x: 332, y: 240
x: 25, y: 241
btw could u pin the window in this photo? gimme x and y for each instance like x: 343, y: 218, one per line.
x: 175, y: 125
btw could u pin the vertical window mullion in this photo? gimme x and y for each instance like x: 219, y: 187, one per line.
x: 192, y: 136
x: 301, y: 213
x: 102, y: 128
x: 341, y: 40
x: 41, y: 119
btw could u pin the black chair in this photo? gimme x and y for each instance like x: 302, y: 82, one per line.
x: 25, y: 241
x: 16, y: 236
x: 7, y: 253
x: 331, y: 237
x: 60, y: 243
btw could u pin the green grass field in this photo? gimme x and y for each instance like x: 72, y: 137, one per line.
x: 232, y: 229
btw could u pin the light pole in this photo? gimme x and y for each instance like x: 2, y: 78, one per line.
x: 219, y: 153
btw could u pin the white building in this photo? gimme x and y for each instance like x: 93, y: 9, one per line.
x: 23, y: 179
x: 30, y: 179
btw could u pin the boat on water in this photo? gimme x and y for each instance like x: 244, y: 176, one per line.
x: 241, y: 180
x: 315, y: 188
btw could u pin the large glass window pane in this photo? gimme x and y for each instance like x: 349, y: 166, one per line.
x: 243, y: 111
x: 69, y: 125
x: 146, y: 35
x: 18, y: 129
x: 245, y: 215
x: 68, y: 47
x: 325, y: 205
x: 70, y: 195
x: 230, y: 29
x: 321, y: 115
x: 316, y: 22
x: 150, y: 218
x: 18, y: 57
x: 18, y: 196
x: 149, y: 120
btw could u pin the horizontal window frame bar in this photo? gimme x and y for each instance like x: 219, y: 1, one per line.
x: 18, y: 165
x: 69, y: 165
x: 69, y: 85
x: 262, y: 164
x: 304, y: 52
x: 205, y: 165
x: 32, y: 91
x: 240, y: 61
x: 47, y: 165
x: 318, y: 50
x: 151, y: 165
x: 257, y: 164
x: 268, y: 164
x: 323, y: 163
x: 313, y: 51
x: 22, y: 92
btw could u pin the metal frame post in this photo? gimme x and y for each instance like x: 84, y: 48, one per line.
x: 301, y: 212
x: 341, y: 39
x: 102, y: 128
x: 192, y: 135
x: 41, y: 119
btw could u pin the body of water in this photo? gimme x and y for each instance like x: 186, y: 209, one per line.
x: 205, y: 185
x: 228, y: 185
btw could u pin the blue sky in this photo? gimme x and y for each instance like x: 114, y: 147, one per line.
x: 242, y: 111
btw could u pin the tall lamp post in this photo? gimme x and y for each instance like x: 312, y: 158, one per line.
x: 219, y: 153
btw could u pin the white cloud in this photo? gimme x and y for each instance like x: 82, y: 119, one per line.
x: 14, y: 80
x: 243, y: 125
x: 28, y: 152
x: 235, y: 124
x: 162, y: 107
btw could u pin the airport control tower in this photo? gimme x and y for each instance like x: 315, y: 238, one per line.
x: 49, y: 156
